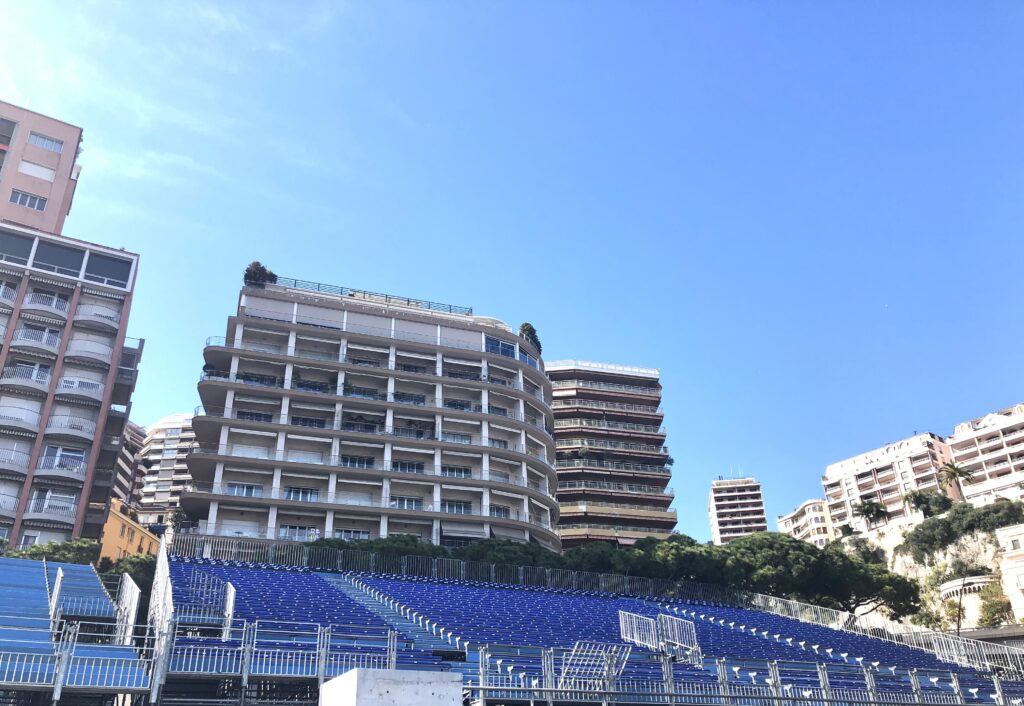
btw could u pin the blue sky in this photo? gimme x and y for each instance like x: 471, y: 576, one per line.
x: 807, y: 214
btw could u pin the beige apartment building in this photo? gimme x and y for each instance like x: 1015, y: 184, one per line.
x: 736, y: 509
x: 884, y: 475
x: 810, y: 522
x: 992, y: 448
x: 127, y: 468
x: 613, y: 465
x: 333, y: 412
x: 163, y: 457
x: 38, y: 169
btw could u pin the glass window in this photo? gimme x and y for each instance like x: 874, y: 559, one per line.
x: 352, y: 535
x: 108, y: 270
x: 250, y: 416
x: 47, y: 143
x: 245, y: 490
x: 457, y: 507
x: 356, y: 461
x: 499, y: 347
x: 308, y: 495
x: 173, y: 433
x: 403, y: 502
x: 456, y: 472
x: 501, y: 511
x: 58, y: 258
x: 407, y: 466
x: 525, y: 357
x: 37, y: 203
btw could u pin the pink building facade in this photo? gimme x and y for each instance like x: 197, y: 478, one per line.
x: 38, y: 169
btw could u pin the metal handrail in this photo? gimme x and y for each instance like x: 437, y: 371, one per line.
x: 364, y: 295
x: 45, y: 337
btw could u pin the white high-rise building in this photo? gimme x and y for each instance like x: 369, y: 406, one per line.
x: 164, y: 450
x: 884, y: 475
x: 736, y: 509
x: 992, y: 448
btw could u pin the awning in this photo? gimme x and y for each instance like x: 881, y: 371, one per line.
x: 458, y: 529
x: 500, y: 532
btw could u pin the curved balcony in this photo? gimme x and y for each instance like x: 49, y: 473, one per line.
x: 91, y: 351
x: 19, y: 418
x: 8, y: 505
x: 40, y: 341
x: 13, y: 461
x: 58, y: 467
x: 953, y: 588
x: 103, y: 317
x: 42, y: 510
x: 71, y: 386
x: 68, y: 426
x: 49, y: 304
x: 25, y: 378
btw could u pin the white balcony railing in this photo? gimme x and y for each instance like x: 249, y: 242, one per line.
x: 38, y: 378
x: 45, y: 338
x: 90, y: 349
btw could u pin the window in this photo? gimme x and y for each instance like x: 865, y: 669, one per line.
x: 463, y: 405
x: 6, y: 133
x: 47, y: 143
x: 300, y: 456
x: 306, y: 495
x: 456, y: 472
x: 356, y: 461
x: 108, y: 270
x: 403, y: 502
x: 124, y: 528
x: 5, y: 532
x: 501, y: 511
x: 352, y: 535
x: 37, y: 203
x: 500, y: 411
x: 170, y: 452
x: 25, y: 370
x: 298, y: 533
x: 499, y: 347
x: 498, y: 443
x: 249, y: 416
x: 245, y: 490
x: 37, y: 170
x: 409, y: 398
x: 173, y: 433
x: 28, y: 539
x: 457, y: 438
x: 1015, y: 544
x: 525, y: 357
x: 64, y: 458
x: 457, y: 507
x: 407, y: 466
x: 312, y: 422
x: 58, y: 258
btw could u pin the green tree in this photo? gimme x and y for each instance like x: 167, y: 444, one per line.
x: 928, y: 503
x: 141, y: 568
x: 500, y: 551
x: 995, y: 606
x: 257, y: 274
x: 951, y: 474
x: 871, y: 510
x: 75, y: 551
x: 527, y: 331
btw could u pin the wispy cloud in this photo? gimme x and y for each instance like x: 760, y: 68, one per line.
x: 164, y: 167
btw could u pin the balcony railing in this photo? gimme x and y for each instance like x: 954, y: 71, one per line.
x: 614, y: 445
x: 374, y: 297
x: 39, y: 378
x: 69, y: 423
x: 51, y: 507
x: 221, y: 341
x: 8, y: 504
x: 617, y: 487
x: 69, y: 384
x: 614, y: 465
x: 8, y: 294
x: 73, y: 466
x: 19, y: 415
x: 12, y: 458
x: 616, y: 406
x: 372, y: 464
x: 584, y: 504
x: 95, y: 311
x: 619, y: 528
x: 602, y: 424
x: 610, y: 386
x: 90, y: 349
x: 45, y: 338
x: 50, y: 301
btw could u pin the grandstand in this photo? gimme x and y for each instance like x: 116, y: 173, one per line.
x: 236, y: 621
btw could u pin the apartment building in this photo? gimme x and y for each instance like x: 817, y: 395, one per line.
x: 885, y: 475
x: 164, y: 455
x: 65, y: 383
x: 128, y: 468
x: 736, y: 509
x: 124, y: 535
x: 613, y: 465
x: 334, y: 412
x: 992, y: 448
x: 38, y: 169
x: 810, y: 522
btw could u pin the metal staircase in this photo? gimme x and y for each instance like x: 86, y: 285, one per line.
x: 420, y: 637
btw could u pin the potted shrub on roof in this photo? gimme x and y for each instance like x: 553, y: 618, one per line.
x: 527, y: 331
x: 257, y: 275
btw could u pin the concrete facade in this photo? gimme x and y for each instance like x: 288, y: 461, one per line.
x: 613, y: 465
x: 38, y: 168
x: 391, y: 687
x: 992, y: 448
x: 165, y: 469
x: 331, y: 412
x: 810, y: 522
x: 66, y: 382
x: 123, y: 535
x: 735, y: 509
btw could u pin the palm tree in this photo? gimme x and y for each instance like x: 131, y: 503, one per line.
x: 952, y: 474
x: 871, y: 510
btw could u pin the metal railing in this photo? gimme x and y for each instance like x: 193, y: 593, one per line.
x: 363, y: 295
x: 50, y: 301
x: 614, y: 445
x: 615, y: 406
x: 8, y: 504
x: 40, y: 378
x: 69, y: 383
x: 50, y: 340
x: 12, y: 458
x: 611, y: 386
x: 620, y: 487
x: 75, y: 466
x: 91, y: 349
x: 603, y: 424
x: 69, y: 423
x: 96, y: 311
x: 22, y: 415
x: 59, y: 509
x: 613, y: 465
